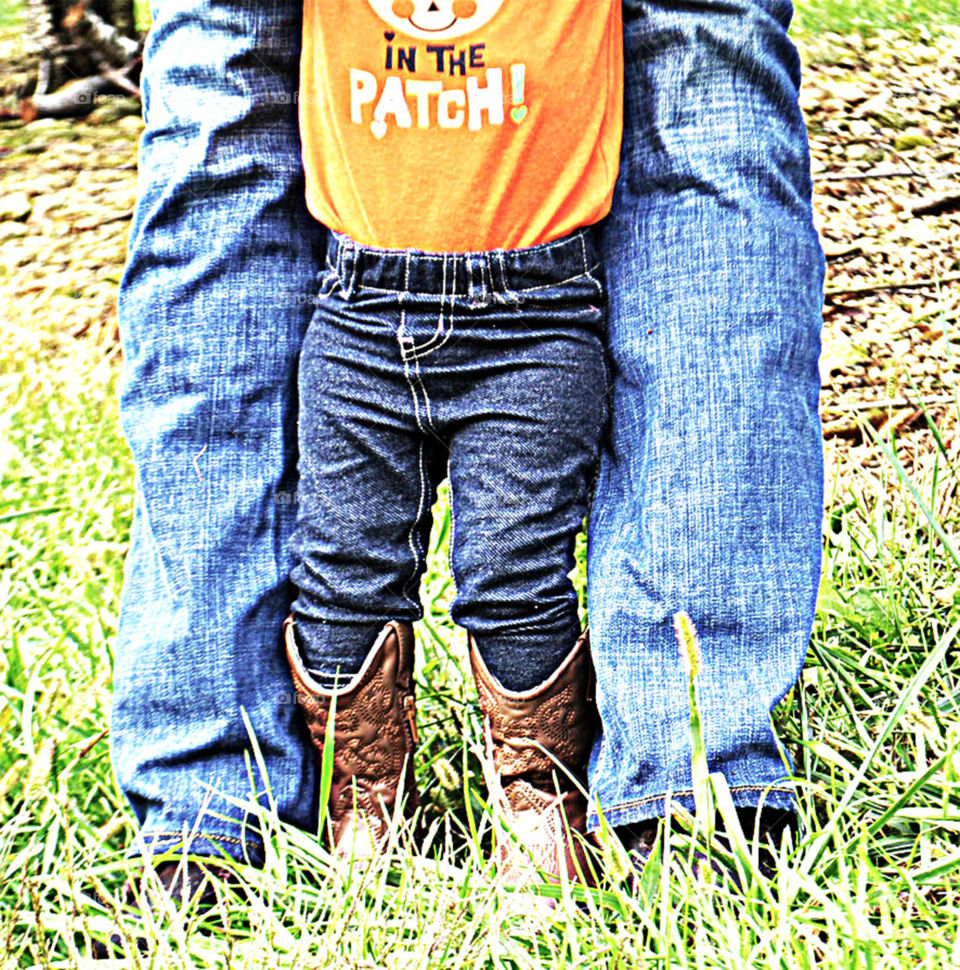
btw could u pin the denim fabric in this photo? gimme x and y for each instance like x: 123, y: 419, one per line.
x: 490, y: 365
x: 710, y: 491
x: 214, y: 302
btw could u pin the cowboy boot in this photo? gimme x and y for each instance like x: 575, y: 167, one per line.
x: 373, y: 742
x: 537, y: 740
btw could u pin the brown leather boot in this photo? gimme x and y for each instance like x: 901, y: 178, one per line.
x: 374, y: 738
x: 531, y: 735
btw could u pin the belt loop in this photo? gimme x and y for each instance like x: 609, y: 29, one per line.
x: 347, y: 267
x: 483, y: 268
x: 583, y: 252
x: 443, y: 288
x: 338, y: 266
x: 356, y: 254
x: 502, y: 273
x: 468, y: 273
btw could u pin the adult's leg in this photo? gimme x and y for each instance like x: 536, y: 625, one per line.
x: 710, y: 492
x: 214, y: 301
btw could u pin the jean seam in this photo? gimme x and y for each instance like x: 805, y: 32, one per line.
x: 583, y: 255
x: 589, y: 270
x: 432, y: 431
x: 510, y: 294
x: 413, y: 536
x: 451, y: 546
x: 161, y: 843
x: 412, y: 352
x: 486, y: 280
x: 194, y: 836
x: 351, y: 286
x: 688, y: 793
x: 343, y: 272
x: 428, y: 413
x: 587, y: 274
x: 329, y: 281
x: 538, y: 248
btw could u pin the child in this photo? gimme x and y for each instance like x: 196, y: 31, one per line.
x: 458, y: 150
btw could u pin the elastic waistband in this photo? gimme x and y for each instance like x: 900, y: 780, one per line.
x: 503, y: 271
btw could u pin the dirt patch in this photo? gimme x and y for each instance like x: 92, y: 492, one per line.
x: 884, y: 121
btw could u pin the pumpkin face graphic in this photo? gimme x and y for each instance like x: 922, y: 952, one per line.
x: 436, y: 19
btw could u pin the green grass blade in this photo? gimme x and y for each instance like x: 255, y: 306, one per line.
x: 907, y: 697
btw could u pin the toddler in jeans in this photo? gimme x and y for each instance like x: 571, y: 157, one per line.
x: 458, y: 151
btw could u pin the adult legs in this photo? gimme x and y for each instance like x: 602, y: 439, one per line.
x: 710, y: 490
x: 214, y: 301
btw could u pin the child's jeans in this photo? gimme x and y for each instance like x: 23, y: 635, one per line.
x: 487, y: 366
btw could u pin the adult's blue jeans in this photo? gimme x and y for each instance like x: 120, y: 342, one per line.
x: 709, y: 493
x: 489, y: 365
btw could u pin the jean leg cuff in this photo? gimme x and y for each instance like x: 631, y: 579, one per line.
x: 246, y: 850
x: 655, y: 806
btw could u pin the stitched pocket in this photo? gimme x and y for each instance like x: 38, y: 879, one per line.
x: 418, y: 341
x: 328, y: 280
x: 582, y: 295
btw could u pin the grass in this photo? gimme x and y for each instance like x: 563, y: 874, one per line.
x: 10, y: 13
x: 874, y: 725
x: 813, y: 17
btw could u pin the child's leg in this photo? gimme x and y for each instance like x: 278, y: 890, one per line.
x: 367, y: 481
x: 500, y: 357
x: 527, y: 406
x: 522, y: 460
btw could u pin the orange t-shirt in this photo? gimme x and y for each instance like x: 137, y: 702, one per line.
x: 460, y: 125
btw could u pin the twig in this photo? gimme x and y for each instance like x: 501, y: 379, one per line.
x: 119, y: 77
x: 895, y: 174
x: 880, y: 287
x: 88, y: 747
x: 842, y: 255
x: 935, y: 207
x: 894, y: 402
x: 73, y: 100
